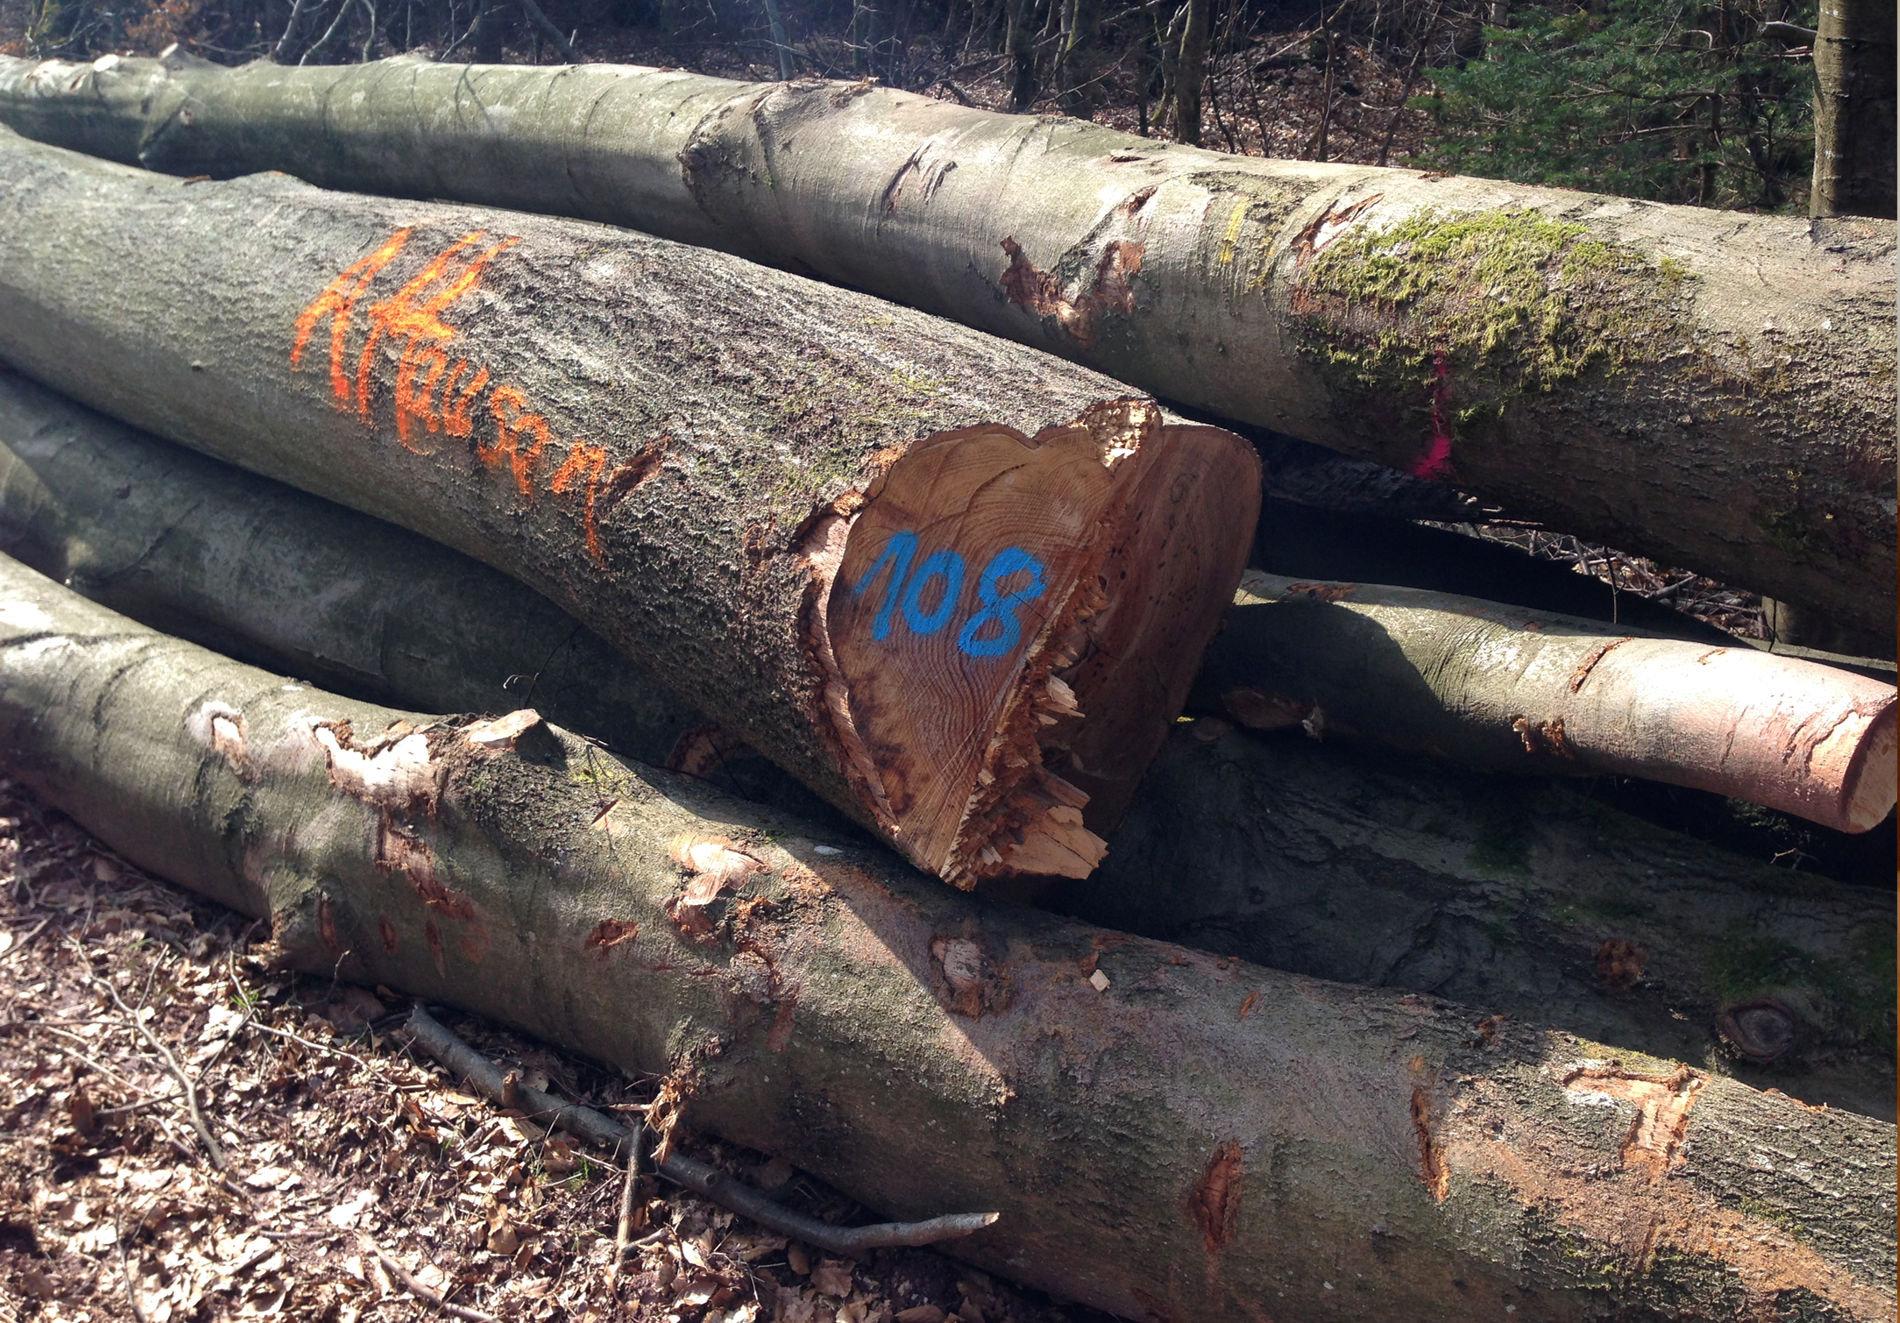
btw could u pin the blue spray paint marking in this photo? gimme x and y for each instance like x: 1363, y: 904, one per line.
x: 1009, y: 561
x: 946, y: 564
x: 897, y: 553
x: 905, y: 591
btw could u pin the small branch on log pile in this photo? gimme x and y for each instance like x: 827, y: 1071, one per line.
x: 1233, y: 847
x: 1199, y: 1136
x: 1501, y: 687
x: 968, y: 636
x: 599, y: 1128
x: 1712, y: 391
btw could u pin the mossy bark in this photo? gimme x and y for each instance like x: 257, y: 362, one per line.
x: 1713, y: 390
x: 1513, y: 898
x: 1201, y: 1138
x: 708, y: 461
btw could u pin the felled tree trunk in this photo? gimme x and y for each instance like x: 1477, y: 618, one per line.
x: 1712, y: 390
x: 812, y: 512
x: 1180, y: 1137
x: 285, y: 580
x: 1522, y: 898
x: 1491, y: 686
x: 1512, y: 898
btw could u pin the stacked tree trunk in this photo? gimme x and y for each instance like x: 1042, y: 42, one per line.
x: 1713, y: 390
x: 958, y: 591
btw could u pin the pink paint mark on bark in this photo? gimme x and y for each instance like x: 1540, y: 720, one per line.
x: 1435, y: 461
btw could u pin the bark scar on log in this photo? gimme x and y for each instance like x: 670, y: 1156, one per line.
x: 1432, y: 1167
x: 220, y: 728
x: 1312, y: 240
x: 969, y: 982
x: 1214, y: 1202
x: 1041, y: 292
x: 1588, y: 664
x: 1662, y: 1116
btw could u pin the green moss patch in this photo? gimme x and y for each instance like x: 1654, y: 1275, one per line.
x: 1459, y: 313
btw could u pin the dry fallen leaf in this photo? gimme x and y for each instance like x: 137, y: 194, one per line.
x: 832, y: 1277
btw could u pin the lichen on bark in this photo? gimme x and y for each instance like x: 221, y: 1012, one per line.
x: 1462, y: 313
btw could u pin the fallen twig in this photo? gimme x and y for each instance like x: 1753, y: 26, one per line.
x: 408, y: 1281
x: 623, y: 1228
x: 430, y: 1035
x: 177, y: 1072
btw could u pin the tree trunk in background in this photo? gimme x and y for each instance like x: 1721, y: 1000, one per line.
x: 807, y: 509
x: 1200, y: 1138
x: 1190, y: 71
x: 1710, y: 389
x: 1854, y: 109
x: 1295, y: 855
x: 1019, y: 49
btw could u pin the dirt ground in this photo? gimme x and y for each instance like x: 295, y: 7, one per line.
x: 187, y: 1135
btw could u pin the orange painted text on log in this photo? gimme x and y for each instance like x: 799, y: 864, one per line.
x: 436, y: 393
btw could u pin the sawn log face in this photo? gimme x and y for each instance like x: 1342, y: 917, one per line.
x: 673, y: 444
x: 1201, y: 1139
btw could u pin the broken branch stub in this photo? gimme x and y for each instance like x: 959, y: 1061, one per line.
x: 887, y: 550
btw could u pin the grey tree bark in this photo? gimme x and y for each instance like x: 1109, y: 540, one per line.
x: 725, y: 470
x: 1854, y: 109
x: 1715, y: 391
x: 1198, y: 1138
x: 1516, y: 899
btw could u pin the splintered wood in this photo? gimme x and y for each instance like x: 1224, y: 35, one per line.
x: 999, y: 596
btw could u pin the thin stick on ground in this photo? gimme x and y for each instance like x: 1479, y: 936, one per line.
x: 409, y: 1282
x: 623, y: 1227
x: 429, y: 1034
x: 214, y: 1153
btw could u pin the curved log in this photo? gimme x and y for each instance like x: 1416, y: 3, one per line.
x: 1710, y: 389
x: 1167, y: 1135
x: 956, y: 588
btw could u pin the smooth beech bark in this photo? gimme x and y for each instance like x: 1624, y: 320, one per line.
x: 1505, y: 894
x: 1167, y: 1135
x: 1710, y: 389
x: 956, y: 588
x: 1502, y: 687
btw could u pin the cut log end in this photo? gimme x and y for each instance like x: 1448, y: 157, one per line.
x: 999, y: 600
x: 1870, y: 785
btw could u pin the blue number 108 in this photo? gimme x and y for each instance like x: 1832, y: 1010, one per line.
x: 989, y: 632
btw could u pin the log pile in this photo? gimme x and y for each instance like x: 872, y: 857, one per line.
x: 1360, y: 1010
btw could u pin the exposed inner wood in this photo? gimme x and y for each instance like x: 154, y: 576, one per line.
x: 993, y: 602
x: 1167, y: 591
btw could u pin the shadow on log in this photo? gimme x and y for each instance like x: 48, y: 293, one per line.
x: 1166, y: 1135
